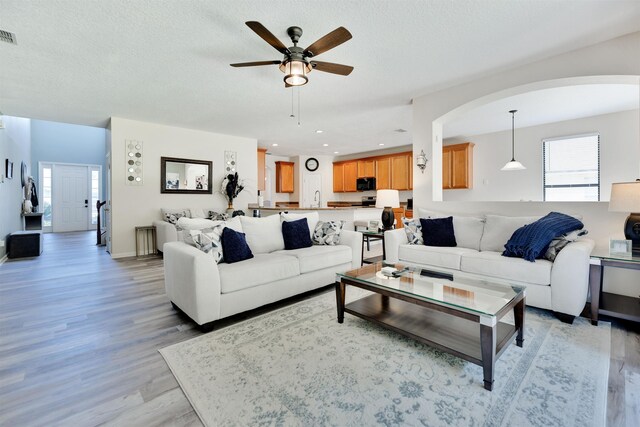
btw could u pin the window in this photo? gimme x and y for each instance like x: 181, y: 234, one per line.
x: 572, y: 168
x: 95, y: 194
x: 46, y: 196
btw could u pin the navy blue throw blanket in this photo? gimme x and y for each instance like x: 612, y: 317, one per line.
x: 532, y: 240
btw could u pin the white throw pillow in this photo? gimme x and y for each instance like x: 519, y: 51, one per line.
x: 264, y: 235
x: 235, y: 224
x: 197, y: 213
x: 312, y: 219
x: 498, y: 230
x: 195, y: 223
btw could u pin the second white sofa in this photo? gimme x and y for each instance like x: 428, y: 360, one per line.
x: 561, y: 286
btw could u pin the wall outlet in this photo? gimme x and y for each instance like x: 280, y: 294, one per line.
x: 1, y: 243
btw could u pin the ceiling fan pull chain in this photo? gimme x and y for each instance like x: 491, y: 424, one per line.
x: 298, y: 89
x: 291, y: 116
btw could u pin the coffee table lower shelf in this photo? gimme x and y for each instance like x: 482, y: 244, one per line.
x: 445, y: 332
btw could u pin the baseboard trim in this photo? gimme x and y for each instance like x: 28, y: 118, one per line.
x: 3, y: 259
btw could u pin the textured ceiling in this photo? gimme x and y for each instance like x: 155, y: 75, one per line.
x: 82, y: 61
x: 546, y: 106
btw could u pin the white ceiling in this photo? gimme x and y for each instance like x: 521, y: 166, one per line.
x: 545, y: 106
x: 81, y: 61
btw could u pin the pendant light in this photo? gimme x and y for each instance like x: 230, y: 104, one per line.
x: 513, y: 165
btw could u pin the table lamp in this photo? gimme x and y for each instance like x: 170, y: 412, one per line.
x: 388, y: 199
x: 625, y: 197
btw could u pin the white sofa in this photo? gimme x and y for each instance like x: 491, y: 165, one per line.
x: 207, y: 291
x: 561, y: 286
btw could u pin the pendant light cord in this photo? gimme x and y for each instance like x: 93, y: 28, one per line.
x: 513, y: 132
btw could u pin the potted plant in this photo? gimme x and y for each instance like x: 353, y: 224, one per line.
x: 231, y: 187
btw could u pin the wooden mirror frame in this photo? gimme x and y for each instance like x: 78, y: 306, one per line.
x: 163, y: 176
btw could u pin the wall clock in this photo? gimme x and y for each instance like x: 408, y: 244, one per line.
x: 311, y: 164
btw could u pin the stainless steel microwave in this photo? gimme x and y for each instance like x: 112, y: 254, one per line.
x: 365, y: 184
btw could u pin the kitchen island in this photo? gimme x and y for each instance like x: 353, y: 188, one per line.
x: 347, y: 214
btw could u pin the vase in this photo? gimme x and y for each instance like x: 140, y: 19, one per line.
x: 230, y: 209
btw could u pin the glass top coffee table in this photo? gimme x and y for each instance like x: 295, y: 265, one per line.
x: 461, y: 316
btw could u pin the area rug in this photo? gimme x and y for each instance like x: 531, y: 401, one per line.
x: 298, y: 366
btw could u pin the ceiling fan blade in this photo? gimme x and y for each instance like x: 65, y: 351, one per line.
x: 254, y: 64
x: 330, y: 67
x: 267, y: 36
x: 331, y: 40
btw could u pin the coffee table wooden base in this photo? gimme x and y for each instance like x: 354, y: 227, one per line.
x: 437, y: 326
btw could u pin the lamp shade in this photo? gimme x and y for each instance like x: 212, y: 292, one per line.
x: 513, y: 165
x: 625, y: 197
x: 390, y: 198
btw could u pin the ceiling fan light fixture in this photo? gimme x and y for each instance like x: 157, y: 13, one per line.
x: 296, y: 72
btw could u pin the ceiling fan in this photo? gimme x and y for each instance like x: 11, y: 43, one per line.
x: 296, y: 64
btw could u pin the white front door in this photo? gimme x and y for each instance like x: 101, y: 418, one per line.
x: 70, y: 198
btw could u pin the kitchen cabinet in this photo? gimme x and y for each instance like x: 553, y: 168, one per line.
x: 338, y: 177
x: 400, y: 172
x: 284, y: 177
x: 366, y: 168
x: 457, y: 166
x: 262, y: 156
x: 383, y: 174
x: 350, y: 176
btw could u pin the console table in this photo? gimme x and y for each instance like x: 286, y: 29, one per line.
x: 614, y: 305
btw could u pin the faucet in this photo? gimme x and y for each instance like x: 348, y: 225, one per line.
x: 317, y: 198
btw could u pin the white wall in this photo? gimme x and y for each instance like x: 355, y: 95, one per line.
x: 140, y: 205
x: 619, y: 154
x: 15, y: 145
x: 617, y: 57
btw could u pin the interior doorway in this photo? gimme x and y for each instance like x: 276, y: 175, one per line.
x: 69, y: 196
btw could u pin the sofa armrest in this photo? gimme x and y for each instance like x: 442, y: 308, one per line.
x: 165, y: 232
x: 570, y: 277
x: 192, y: 281
x: 392, y: 241
x: 353, y: 239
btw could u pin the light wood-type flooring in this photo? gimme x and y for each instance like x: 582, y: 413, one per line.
x: 80, y: 333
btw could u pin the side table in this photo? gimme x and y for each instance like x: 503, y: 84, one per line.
x: 614, y: 305
x: 372, y: 235
x: 148, y: 235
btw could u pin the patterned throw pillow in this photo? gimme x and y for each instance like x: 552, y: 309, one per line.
x: 413, y: 228
x: 559, y: 243
x: 173, y: 217
x: 208, y: 241
x: 215, y: 216
x: 327, y: 233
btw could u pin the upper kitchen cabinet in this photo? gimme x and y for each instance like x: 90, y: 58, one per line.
x: 338, y: 177
x: 457, y: 166
x: 284, y: 177
x: 400, y: 171
x: 262, y: 155
x: 383, y: 173
x: 366, y: 168
x: 350, y: 176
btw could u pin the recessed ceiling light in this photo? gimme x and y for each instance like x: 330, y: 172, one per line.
x: 381, y: 144
x: 274, y: 145
x: 336, y: 152
x: 319, y: 131
x: 325, y: 145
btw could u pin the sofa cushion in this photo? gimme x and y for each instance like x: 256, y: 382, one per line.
x: 495, y: 265
x: 263, y: 234
x: 438, y: 232
x: 312, y: 219
x: 261, y: 269
x: 467, y: 229
x: 234, y: 246
x: 186, y: 223
x: 433, y: 255
x: 498, y: 230
x: 318, y: 257
x: 296, y: 234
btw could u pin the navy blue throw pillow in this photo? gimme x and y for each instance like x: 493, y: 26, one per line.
x: 234, y: 246
x: 438, y: 232
x: 296, y: 234
x: 532, y: 240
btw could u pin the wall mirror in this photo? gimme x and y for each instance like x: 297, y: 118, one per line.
x: 575, y: 140
x: 185, y: 176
